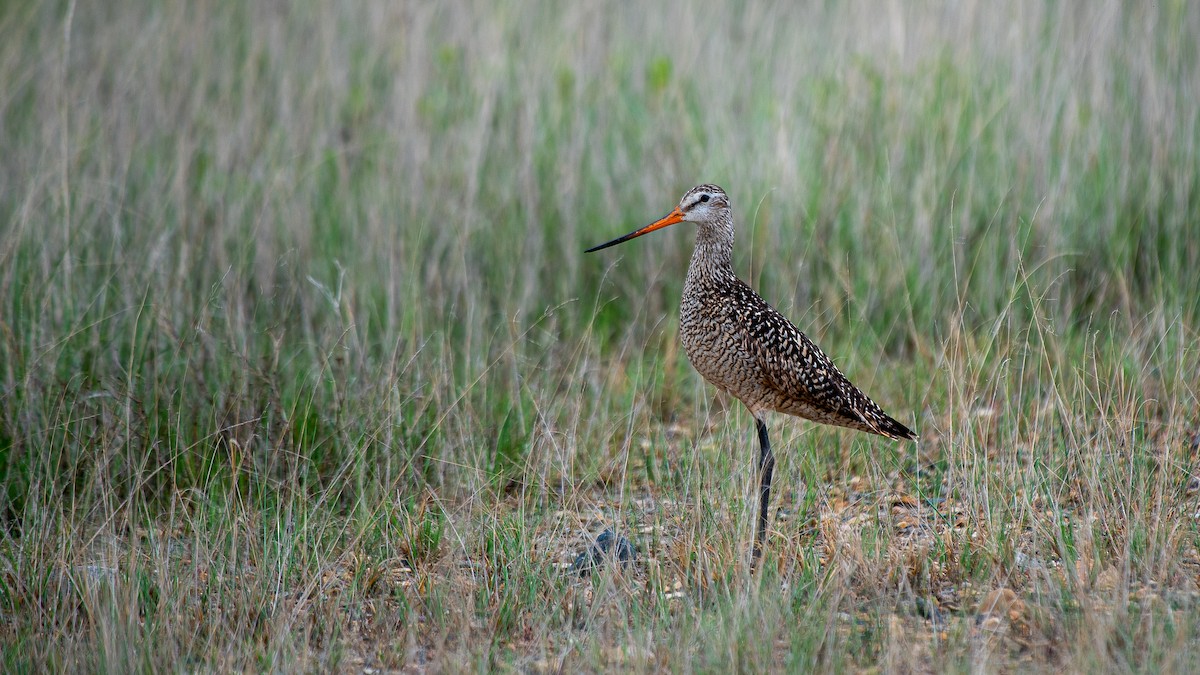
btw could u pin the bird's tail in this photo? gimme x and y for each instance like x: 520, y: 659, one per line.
x: 884, y: 425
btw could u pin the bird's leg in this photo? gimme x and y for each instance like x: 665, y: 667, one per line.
x: 766, y: 467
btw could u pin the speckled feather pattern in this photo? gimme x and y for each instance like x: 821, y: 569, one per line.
x: 744, y: 346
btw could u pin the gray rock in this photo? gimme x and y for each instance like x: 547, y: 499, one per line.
x: 608, y: 546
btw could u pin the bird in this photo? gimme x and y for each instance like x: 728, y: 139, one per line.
x: 745, y: 347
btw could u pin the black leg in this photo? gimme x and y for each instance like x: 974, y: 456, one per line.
x: 766, y: 467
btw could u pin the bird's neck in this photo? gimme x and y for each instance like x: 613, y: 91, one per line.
x: 713, y: 256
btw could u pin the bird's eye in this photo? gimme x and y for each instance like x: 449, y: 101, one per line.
x: 703, y: 198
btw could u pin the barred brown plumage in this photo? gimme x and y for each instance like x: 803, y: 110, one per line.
x: 745, y: 347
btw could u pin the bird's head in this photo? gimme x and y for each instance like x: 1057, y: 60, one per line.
x: 703, y: 204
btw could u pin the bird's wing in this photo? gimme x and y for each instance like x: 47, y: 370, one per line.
x: 795, y: 367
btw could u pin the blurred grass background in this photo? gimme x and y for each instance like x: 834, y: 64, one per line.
x: 286, y: 282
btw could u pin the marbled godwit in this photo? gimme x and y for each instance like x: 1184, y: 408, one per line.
x: 745, y: 347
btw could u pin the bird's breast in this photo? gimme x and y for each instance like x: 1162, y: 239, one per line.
x: 716, y: 343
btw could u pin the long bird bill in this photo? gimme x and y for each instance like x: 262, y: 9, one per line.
x: 671, y: 218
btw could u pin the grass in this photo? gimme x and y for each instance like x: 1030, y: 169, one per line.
x: 302, y: 366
